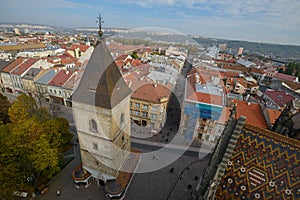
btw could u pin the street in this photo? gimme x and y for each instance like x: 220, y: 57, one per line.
x: 174, y: 181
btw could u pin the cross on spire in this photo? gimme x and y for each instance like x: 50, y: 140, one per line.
x: 100, y: 22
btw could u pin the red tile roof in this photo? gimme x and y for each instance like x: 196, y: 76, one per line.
x: 279, y: 97
x: 60, y: 78
x: 285, y: 77
x: 138, y: 76
x: 73, y: 80
x: 236, y: 68
x: 273, y: 115
x: 256, y: 71
x: 152, y: 92
x: 206, y: 98
x: 224, y: 61
x: 292, y: 85
x: 229, y: 74
x: 224, y: 115
x: 241, y: 81
x: 252, y: 112
x: 120, y: 47
x: 81, y: 47
x: 13, y: 65
x: 24, y: 66
x: 192, y: 95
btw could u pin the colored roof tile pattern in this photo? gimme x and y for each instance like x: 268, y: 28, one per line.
x: 60, y: 78
x: 152, y: 92
x: 252, y: 112
x: 279, y: 97
x: 264, y: 165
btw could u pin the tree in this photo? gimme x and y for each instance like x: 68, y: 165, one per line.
x: 134, y: 55
x: 293, y: 69
x: 4, y: 106
x: 57, y: 131
x: 29, y: 147
x: 10, y: 176
x: 22, y: 109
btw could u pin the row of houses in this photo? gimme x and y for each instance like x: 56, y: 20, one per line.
x: 44, y: 82
x: 151, y: 84
x: 54, y: 77
x: 210, y: 96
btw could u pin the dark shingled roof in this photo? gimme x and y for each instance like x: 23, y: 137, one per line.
x: 32, y: 73
x: 263, y: 165
x: 102, y: 84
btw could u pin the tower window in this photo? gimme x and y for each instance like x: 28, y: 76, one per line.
x: 95, y: 146
x: 93, y: 126
x: 122, y: 119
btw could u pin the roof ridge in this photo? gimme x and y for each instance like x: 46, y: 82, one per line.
x: 273, y: 135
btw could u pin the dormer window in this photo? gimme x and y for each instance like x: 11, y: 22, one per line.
x: 93, y: 126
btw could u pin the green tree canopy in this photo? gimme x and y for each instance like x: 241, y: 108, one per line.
x: 293, y: 69
x: 4, y: 118
x: 29, y: 146
x: 134, y: 55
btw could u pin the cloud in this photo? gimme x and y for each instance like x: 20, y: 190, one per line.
x: 66, y: 4
x: 247, y: 10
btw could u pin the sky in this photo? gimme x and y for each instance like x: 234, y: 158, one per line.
x: 269, y: 21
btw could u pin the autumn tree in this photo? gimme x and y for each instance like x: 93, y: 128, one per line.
x: 29, y: 146
x: 4, y: 105
x: 57, y: 131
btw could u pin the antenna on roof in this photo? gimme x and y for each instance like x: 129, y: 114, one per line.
x: 100, y: 22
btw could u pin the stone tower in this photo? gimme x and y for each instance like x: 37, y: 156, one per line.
x: 101, y: 113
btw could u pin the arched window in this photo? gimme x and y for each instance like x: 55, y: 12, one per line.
x: 93, y: 126
x: 122, y: 119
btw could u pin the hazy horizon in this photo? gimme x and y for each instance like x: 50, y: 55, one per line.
x: 275, y: 22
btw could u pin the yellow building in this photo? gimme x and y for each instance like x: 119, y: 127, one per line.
x: 29, y: 78
x: 148, y: 105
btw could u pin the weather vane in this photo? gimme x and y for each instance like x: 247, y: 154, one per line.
x: 100, y: 22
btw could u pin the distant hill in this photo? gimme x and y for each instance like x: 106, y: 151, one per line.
x: 276, y: 51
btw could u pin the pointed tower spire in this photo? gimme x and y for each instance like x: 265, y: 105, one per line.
x: 100, y: 22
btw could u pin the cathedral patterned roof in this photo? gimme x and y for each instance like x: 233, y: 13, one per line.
x: 263, y: 165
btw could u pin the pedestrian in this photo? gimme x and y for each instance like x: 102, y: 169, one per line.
x: 58, y: 192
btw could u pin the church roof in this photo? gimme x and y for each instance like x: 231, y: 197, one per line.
x: 102, y: 84
x: 263, y: 165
